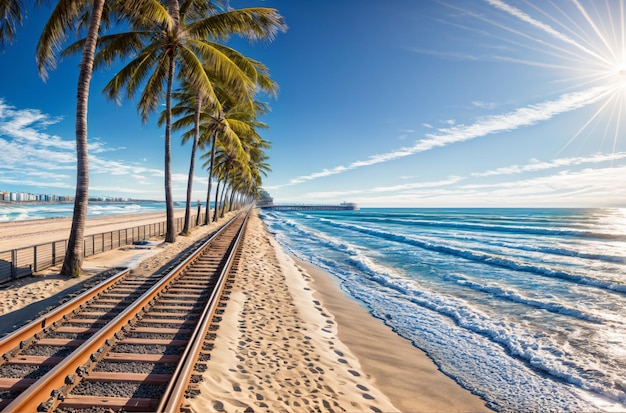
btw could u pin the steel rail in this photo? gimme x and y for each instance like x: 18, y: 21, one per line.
x: 175, y: 391
x: 13, y: 340
x: 31, y: 399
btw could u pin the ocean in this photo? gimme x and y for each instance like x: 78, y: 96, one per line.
x: 23, y: 212
x: 523, y: 307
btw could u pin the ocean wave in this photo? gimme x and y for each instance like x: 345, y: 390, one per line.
x: 516, y: 297
x: 541, y: 352
x: 538, y: 350
x: 471, y: 360
x: 489, y: 259
x: 65, y: 210
x: 551, y: 351
x: 514, y: 229
x: 563, y: 251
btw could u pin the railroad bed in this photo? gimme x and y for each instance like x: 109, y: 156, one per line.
x: 132, y: 343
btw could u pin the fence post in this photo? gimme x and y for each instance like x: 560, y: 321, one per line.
x: 14, y: 264
x: 54, y: 253
x: 35, y: 258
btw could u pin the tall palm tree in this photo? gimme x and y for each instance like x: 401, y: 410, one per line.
x: 65, y: 17
x: 228, y: 158
x: 199, y: 111
x: 180, y: 40
x: 238, y: 120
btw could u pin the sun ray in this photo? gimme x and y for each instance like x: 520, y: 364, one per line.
x: 591, y: 58
x: 595, y: 28
x: 597, y: 113
x: 515, y: 12
x: 623, y: 26
x: 574, y: 29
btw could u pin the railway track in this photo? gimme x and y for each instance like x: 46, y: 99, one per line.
x: 130, y: 344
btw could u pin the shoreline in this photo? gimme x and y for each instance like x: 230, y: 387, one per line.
x: 289, y: 339
x: 395, y: 364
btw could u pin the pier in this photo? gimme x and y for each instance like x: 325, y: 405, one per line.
x: 344, y: 206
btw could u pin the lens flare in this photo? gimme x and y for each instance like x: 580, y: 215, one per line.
x: 582, y: 41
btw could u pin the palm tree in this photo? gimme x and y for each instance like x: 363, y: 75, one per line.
x: 64, y: 18
x: 239, y: 170
x: 167, y: 38
x: 255, y: 147
x: 228, y: 158
x: 199, y: 111
x: 238, y: 120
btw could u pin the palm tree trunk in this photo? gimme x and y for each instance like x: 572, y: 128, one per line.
x: 223, y: 197
x: 170, y: 231
x: 75, y: 248
x: 192, y: 162
x: 208, y: 193
x: 224, y: 192
x: 217, y: 191
x: 232, y: 200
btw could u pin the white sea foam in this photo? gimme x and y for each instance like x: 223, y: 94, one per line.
x: 541, y: 351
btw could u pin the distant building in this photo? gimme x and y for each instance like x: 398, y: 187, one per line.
x: 7, y: 197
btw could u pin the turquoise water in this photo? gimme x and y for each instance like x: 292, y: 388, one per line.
x: 44, y: 210
x: 524, y: 307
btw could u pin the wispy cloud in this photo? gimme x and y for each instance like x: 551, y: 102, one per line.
x: 483, y: 105
x: 557, y: 183
x: 536, y: 165
x: 518, y: 118
x: 588, y: 187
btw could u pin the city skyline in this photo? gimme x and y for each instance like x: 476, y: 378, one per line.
x: 21, y: 196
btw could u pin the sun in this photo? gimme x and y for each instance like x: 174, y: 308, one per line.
x: 585, y: 41
x: 621, y: 77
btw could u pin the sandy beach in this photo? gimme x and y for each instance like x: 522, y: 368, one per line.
x: 289, y: 339
x: 17, y: 234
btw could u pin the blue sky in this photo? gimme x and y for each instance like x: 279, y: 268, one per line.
x: 407, y: 103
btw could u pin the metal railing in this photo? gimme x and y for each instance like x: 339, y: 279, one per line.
x: 22, y: 262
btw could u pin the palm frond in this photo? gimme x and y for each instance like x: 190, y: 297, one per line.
x: 143, y: 13
x: 118, y: 46
x: 130, y: 77
x: 250, y: 23
x: 10, y: 18
x: 54, y: 33
x: 153, y: 89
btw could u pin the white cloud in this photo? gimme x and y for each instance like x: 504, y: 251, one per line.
x: 599, y: 186
x: 535, y: 165
x: 483, y: 105
x: 29, y: 156
x: 592, y: 187
x: 485, y: 126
